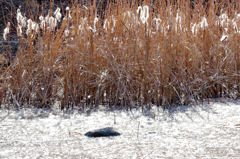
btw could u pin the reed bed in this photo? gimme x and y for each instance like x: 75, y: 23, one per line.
x: 130, y: 56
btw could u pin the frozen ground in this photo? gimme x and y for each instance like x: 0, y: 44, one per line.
x: 183, y: 132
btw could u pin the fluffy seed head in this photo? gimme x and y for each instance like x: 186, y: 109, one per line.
x: 19, y: 30
x: 143, y: 12
x: 52, y: 23
x: 6, y: 31
x: 67, y: 32
x: 57, y: 14
x: 19, y: 16
x: 41, y: 18
x: 24, y: 22
x: 68, y: 15
x: 204, y: 23
x: 35, y: 26
x: 47, y: 18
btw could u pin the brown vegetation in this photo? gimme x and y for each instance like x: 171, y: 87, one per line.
x: 160, y: 55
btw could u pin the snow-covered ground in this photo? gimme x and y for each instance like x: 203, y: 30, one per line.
x: 206, y: 131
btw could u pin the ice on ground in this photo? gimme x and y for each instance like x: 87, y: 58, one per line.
x: 203, y: 131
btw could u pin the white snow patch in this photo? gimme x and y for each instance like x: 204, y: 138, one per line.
x: 206, y: 131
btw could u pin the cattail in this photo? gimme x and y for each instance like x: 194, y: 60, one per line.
x: 42, y: 22
x: 223, y: 20
x: 67, y: 32
x: 80, y: 29
x: 156, y: 23
x: 95, y: 21
x: 143, y: 13
x: 19, y: 16
x: 24, y: 22
x: 105, y: 24
x: 41, y: 18
x: 129, y: 17
x: 19, y: 30
x: 47, y: 18
x: 29, y: 26
x: 20, y: 19
x: 52, y: 23
x: 81, y: 25
x: 6, y: 31
x: 68, y: 15
x: 224, y: 36
x: 204, y: 23
x: 35, y: 26
x: 109, y: 24
x: 139, y: 10
x: 58, y: 15
x: 72, y: 28
x: 94, y: 25
x: 194, y: 28
x: 178, y: 18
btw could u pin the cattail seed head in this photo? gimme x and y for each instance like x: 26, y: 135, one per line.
x: 19, y: 30
x: 6, y: 31
x: 52, y: 23
x: 19, y: 16
x: 47, y: 18
x: 68, y: 15
x: 67, y: 32
x: 57, y: 14
x: 41, y: 18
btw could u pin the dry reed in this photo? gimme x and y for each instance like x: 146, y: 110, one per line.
x: 156, y: 53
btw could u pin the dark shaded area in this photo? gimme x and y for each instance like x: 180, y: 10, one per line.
x: 104, y: 132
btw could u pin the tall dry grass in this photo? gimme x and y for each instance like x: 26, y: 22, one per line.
x: 157, y: 53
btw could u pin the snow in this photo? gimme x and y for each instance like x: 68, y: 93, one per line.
x: 201, y: 131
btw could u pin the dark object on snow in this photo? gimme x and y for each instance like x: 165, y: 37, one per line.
x: 151, y: 132
x: 104, y: 132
